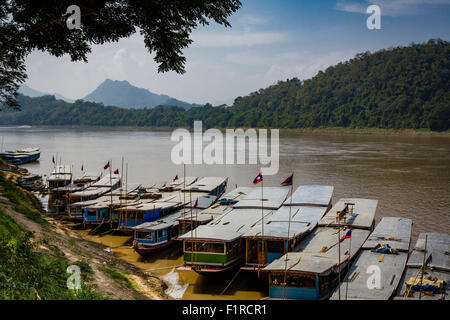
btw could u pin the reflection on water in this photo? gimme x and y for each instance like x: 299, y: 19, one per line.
x: 410, y: 176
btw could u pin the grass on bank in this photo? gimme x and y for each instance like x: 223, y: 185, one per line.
x: 119, y: 277
x: 25, y: 273
x: 23, y: 202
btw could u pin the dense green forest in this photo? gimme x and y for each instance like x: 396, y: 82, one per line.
x: 404, y: 87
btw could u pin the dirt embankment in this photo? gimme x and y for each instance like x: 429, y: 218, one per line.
x: 75, y: 248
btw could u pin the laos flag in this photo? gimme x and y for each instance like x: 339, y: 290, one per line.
x: 348, y: 235
x: 106, y: 166
x: 117, y: 171
x: 258, y: 179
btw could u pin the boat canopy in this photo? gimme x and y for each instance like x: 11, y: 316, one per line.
x: 362, y: 217
x: 392, y: 231
x: 438, y: 246
x: 273, y: 198
x: 229, y: 226
x: 311, y: 195
x: 318, y: 253
x: 170, y: 220
x: 207, y: 184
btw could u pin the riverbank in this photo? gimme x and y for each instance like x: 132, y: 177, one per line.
x: 283, y: 131
x: 41, y: 248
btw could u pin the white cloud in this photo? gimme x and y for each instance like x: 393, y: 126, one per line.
x: 389, y: 7
x: 242, y: 39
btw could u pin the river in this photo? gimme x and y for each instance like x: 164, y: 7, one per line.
x: 409, y: 175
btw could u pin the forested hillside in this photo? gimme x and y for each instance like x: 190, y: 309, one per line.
x: 404, y: 87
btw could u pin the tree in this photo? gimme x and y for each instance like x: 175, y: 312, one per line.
x: 27, y: 25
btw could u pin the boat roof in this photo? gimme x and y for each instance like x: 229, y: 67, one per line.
x: 154, y: 185
x: 106, y: 181
x: 206, y: 184
x: 207, y: 214
x: 318, y: 253
x: 303, y: 219
x: 149, y: 206
x: 273, y: 198
x: 311, y: 195
x: 438, y: 246
x: 180, y: 182
x: 164, y: 223
x: 69, y: 188
x: 391, y: 267
x: 392, y: 231
x: 229, y: 226
x: 363, y: 214
x: 237, y: 194
x: 90, y: 191
x: 131, y: 188
x: 61, y: 172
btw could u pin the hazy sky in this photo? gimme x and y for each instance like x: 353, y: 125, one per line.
x: 269, y: 41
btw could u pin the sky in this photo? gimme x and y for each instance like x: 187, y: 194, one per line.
x: 269, y: 41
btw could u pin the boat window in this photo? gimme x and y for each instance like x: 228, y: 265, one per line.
x: 275, y: 246
x: 298, y: 281
x: 144, y: 235
x: 234, y: 249
x: 209, y: 247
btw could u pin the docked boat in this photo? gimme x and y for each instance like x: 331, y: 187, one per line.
x: 298, y: 216
x: 21, y: 156
x: 202, y: 216
x: 152, y: 236
x: 87, y: 179
x: 81, y: 199
x: 387, y: 249
x: 432, y: 252
x: 104, y: 209
x: 59, y: 199
x: 218, y: 246
x: 61, y: 176
x: 316, y: 265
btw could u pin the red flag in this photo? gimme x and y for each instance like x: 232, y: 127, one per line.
x: 82, y: 167
x: 106, y: 166
x: 117, y: 171
x: 195, y: 204
x: 348, y: 235
x: 176, y: 178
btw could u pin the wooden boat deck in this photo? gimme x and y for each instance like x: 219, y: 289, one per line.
x: 395, y: 232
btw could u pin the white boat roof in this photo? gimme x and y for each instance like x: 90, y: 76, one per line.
x: 438, y: 246
x: 106, y: 181
x: 391, y: 270
x: 395, y: 232
x: 273, y: 198
x: 166, y: 222
x: 60, y: 172
x: 229, y: 226
x: 155, y: 185
x: 303, y: 219
x: 180, y: 182
x: 131, y: 188
x: 150, y: 206
x: 237, y: 194
x: 311, y: 195
x: 310, y: 259
x: 90, y: 191
x: 207, y: 214
x: 206, y: 184
x: 363, y: 214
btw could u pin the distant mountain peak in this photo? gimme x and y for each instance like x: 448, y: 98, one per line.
x: 30, y: 92
x: 121, y: 93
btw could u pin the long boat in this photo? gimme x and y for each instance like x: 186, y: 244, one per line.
x: 152, y: 236
x: 299, y: 215
x: 218, y: 246
x: 103, y: 210
x: 21, y: 156
x: 319, y: 262
x: 435, y: 284
x: 88, y: 196
x: 201, y: 216
x: 61, y: 176
x: 384, y: 255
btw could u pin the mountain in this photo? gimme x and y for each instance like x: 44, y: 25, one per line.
x: 399, y: 88
x: 30, y: 92
x: 123, y: 94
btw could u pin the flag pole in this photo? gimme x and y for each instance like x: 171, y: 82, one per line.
x: 262, y: 217
x: 339, y: 263
x: 287, y: 242
x: 348, y: 264
x: 423, y: 266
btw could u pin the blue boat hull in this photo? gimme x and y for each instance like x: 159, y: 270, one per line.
x: 21, y: 159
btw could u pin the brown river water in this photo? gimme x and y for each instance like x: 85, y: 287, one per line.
x: 409, y: 175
